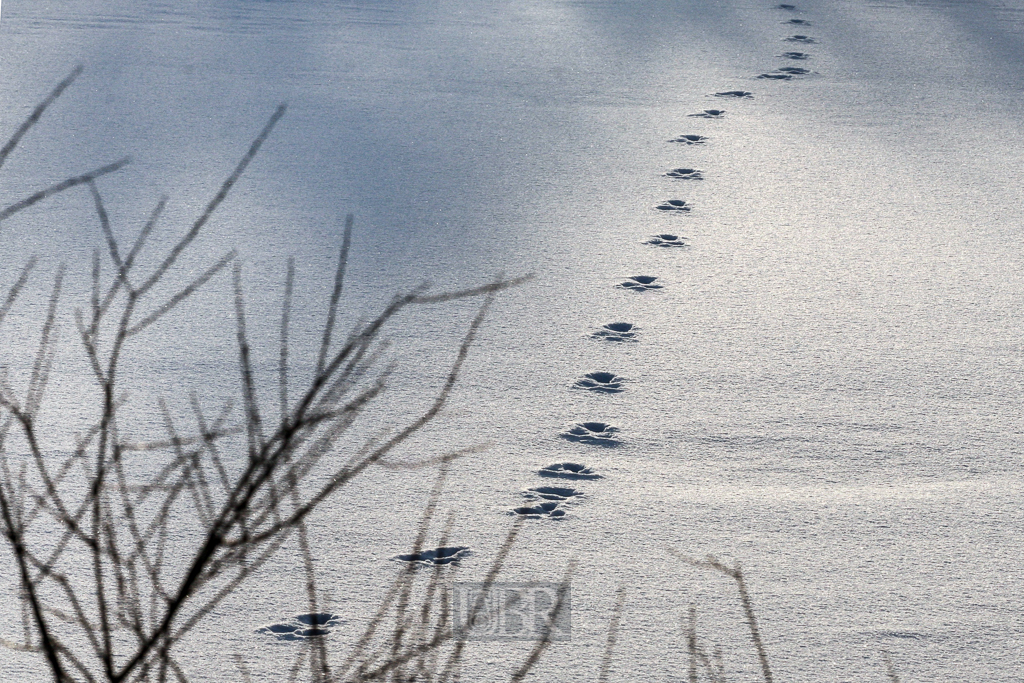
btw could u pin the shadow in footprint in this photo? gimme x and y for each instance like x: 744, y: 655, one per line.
x: 739, y: 94
x: 557, y: 493
x: 595, y: 433
x: 797, y: 22
x: 673, y: 205
x: 547, y: 501
x: 709, y: 114
x: 549, y: 510
x: 690, y: 139
x: 786, y: 73
x: 666, y: 240
x: 438, y: 556
x: 795, y: 55
x: 568, y: 470
x: 639, y: 283
x: 789, y: 7
x: 303, y: 626
x: 685, y: 174
x: 601, y: 382
x: 616, y: 332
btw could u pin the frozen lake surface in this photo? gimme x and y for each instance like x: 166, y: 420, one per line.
x: 826, y: 387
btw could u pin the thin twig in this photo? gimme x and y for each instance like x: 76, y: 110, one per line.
x: 37, y: 113
x: 613, y: 635
x: 890, y: 668
x: 61, y: 186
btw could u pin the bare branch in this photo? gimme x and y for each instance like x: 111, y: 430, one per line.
x: 181, y: 295
x: 37, y: 113
x: 890, y: 668
x: 108, y: 234
x: 15, y: 290
x: 613, y: 634
x: 60, y: 187
x: 332, y: 307
x: 282, y: 372
x: 253, y: 422
x: 221, y: 195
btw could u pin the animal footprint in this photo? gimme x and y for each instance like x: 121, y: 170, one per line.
x: 795, y: 55
x: 673, y: 205
x: 691, y: 139
x: 800, y: 39
x: 601, y: 382
x: 797, y: 22
x: 548, y: 509
x: 438, y: 556
x: 568, y: 470
x: 616, y: 332
x: 303, y: 626
x: 639, y: 283
x: 557, y: 493
x: 596, y: 433
x: 666, y: 240
x: 740, y: 94
x: 686, y: 174
x: 709, y: 114
x: 794, y: 70
x: 551, y: 498
x: 776, y: 77
x: 789, y: 7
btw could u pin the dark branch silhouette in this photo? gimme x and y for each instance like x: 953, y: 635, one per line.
x: 113, y: 588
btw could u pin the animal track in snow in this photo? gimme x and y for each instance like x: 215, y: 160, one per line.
x: 807, y: 40
x: 738, y: 94
x: 558, y: 493
x: 797, y: 22
x: 568, y: 470
x: 600, y: 382
x: 549, y: 497
x: 673, y: 205
x: 709, y: 114
x: 596, y: 433
x: 789, y: 7
x: 438, y: 556
x: 616, y: 332
x: 547, y: 509
x: 303, y: 626
x: 795, y: 55
x: 690, y: 139
x: 639, y: 283
x: 786, y: 73
x: 685, y: 174
x: 666, y: 240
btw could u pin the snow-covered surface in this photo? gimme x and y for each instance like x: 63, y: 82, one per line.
x: 827, y: 387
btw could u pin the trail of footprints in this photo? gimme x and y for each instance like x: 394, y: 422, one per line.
x: 553, y: 502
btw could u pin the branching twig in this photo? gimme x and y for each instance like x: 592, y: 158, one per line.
x: 736, y: 573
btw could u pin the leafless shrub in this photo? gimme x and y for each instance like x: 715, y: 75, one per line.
x: 92, y: 539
